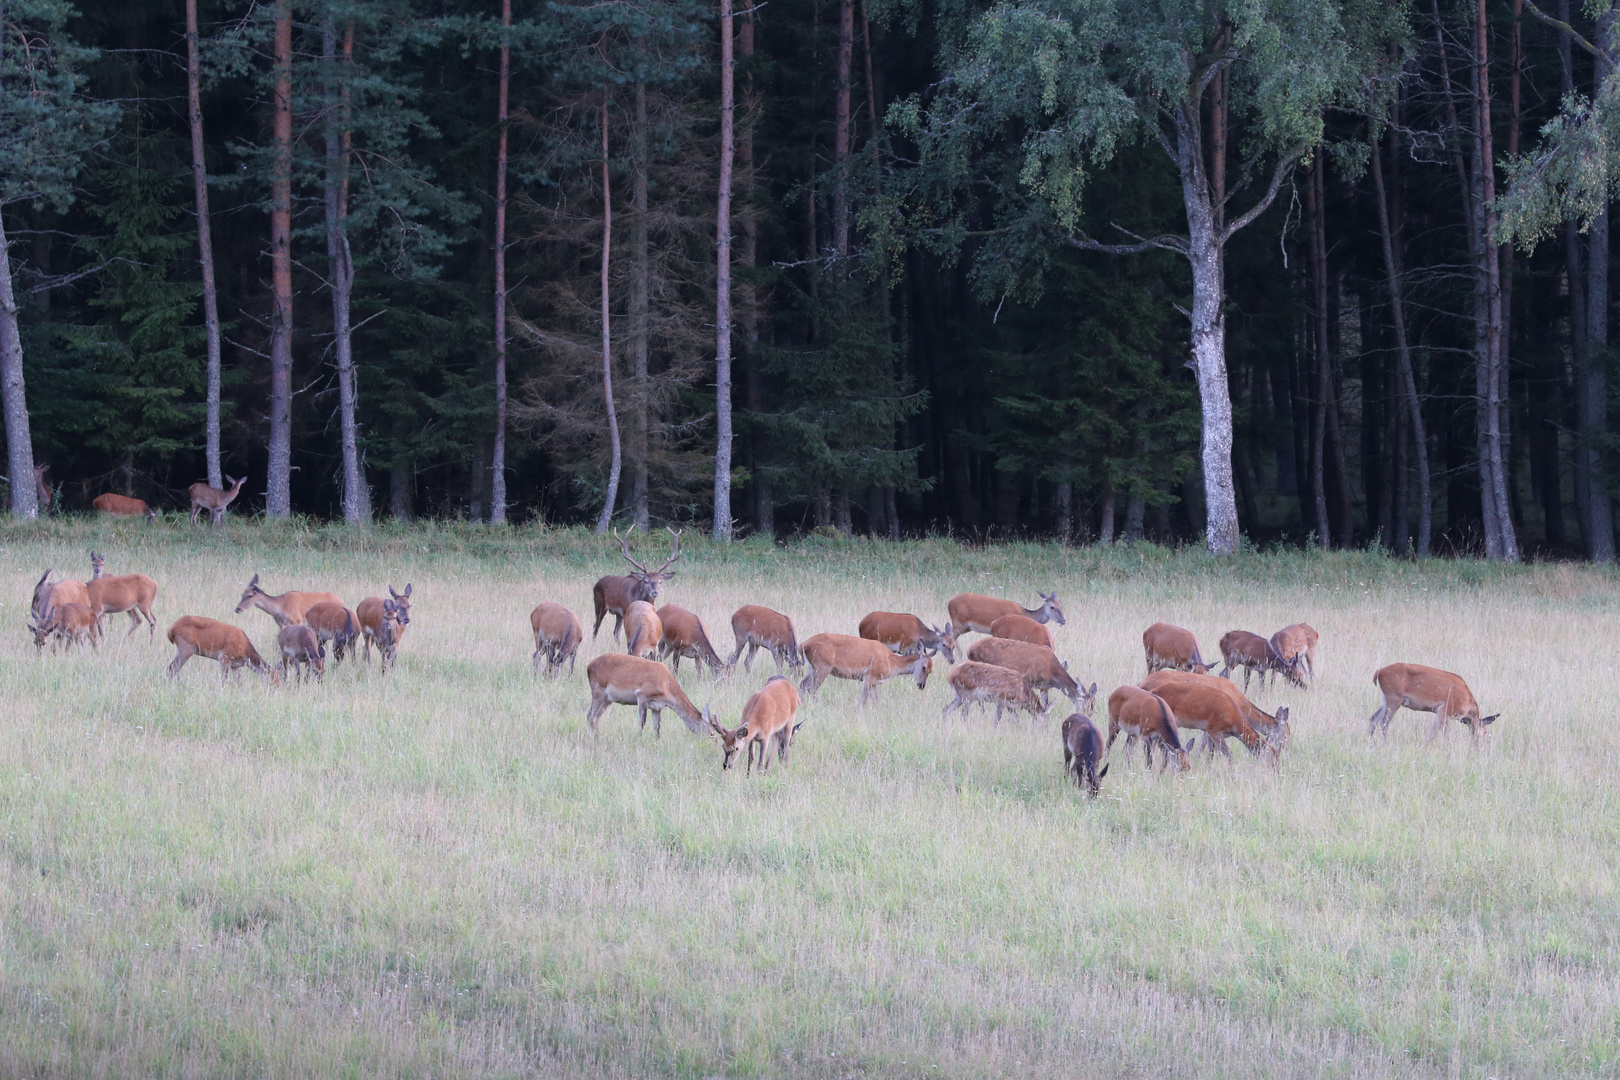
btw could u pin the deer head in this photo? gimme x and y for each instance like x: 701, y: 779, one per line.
x: 1050, y: 603
x: 651, y: 579
x: 249, y: 593
x: 96, y: 563
x: 402, y: 604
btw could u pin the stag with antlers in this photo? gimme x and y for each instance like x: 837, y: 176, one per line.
x: 616, y: 592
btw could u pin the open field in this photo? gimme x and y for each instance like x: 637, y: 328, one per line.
x: 442, y: 873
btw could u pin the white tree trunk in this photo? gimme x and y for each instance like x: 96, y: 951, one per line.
x: 19, y: 443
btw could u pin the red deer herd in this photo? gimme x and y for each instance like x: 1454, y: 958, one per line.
x: 1014, y: 668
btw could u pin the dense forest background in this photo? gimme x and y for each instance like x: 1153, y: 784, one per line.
x: 922, y: 339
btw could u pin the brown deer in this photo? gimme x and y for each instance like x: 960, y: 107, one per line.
x: 69, y: 623
x: 132, y: 593
x: 1252, y: 653
x: 299, y: 647
x: 757, y: 628
x: 857, y: 658
x: 984, y: 683
x: 1148, y: 717
x: 970, y: 611
x: 66, y: 591
x: 557, y: 633
x: 1263, y: 722
x: 1426, y: 689
x: 1199, y: 706
x: 337, y: 624
x: 643, y: 631
x: 617, y: 679
x: 1172, y: 647
x: 42, y: 490
x: 372, y: 613
x: 386, y: 635
x: 908, y: 635
x: 1082, y: 749
x: 1292, y: 642
x: 287, y: 608
x: 767, y: 718
x: 616, y: 593
x: 124, y: 506
x: 1039, y: 665
x: 686, y: 636
x: 1023, y: 628
x: 194, y: 635
x: 213, y: 500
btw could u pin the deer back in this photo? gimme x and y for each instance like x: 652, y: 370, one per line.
x: 210, y: 637
x: 1166, y: 642
x: 122, y: 506
x: 900, y: 631
x: 111, y: 595
x: 765, y: 625
x: 1427, y: 689
x: 1036, y: 663
x: 555, y: 623
x: 974, y: 676
x: 771, y: 708
x: 1021, y: 627
x: 643, y: 629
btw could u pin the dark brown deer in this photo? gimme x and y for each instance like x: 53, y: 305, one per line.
x: 615, y: 593
x: 213, y: 500
x: 132, y: 593
x: 686, y: 636
x: 758, y: 628
x: 372, y: 614
x: 337, y: 624
x: 908, y: 635
x: 1253, y: 653
x: 300, y: 648
x: 42, y: 490
x: 1082, y: 749
x: 557, y: 634
x: 124, y: 506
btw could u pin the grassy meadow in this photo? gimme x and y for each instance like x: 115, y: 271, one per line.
x: 442, y: 873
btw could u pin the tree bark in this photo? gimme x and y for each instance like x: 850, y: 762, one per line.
x: 340, y: 258
x: 1105, y: 528
x: 1591, y: 393
x: 616, y: 462
x: 722, y: 363
x: 13, y: 396
x: 640, y: 295
x: 278, y: 493
x: 205, y: 243
x: 1324, y: 370
x: 497, y: 498
x: 1063, y: 497
x: 840, y: 209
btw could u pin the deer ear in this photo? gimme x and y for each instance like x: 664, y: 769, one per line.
x: 1491, y: 719
x: 407, y: 589
x: 254, y: 584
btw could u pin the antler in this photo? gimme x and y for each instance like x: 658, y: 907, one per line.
x: 674, y: 553
x: 626, y: 548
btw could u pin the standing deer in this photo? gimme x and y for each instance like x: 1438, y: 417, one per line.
x: 685, y: 635
x: 857, y: 658
x: 984, y: 683
x: 1256, y: 717
x: 1082, y: 749
x: 194, y: 635
x: 642, y: 629
x: 767, y: 718
x: 758, y: 628
x: 1148, y: 717
x: 287, y: 608
x: 557, y: 633
x: 1426, y: 689
x: 616, y: 593
x: 124, y: 506
x: 390, y: 626
x: 1252, y: 653
x: 75, y: 623
x: 970, y: 611
x: 299, y: 647
x: 1199, y: 706
x: 334, y: 623
x: 1039, y: 665
x: 1295, y: 641
x: 1023, y: 628
x: 66, y: 591
x: 132, y: 593
x: 617, y: 679
x: 908, y: 635
x: 1172, y: 647
x: 213, y: 500
x: 372, y: 613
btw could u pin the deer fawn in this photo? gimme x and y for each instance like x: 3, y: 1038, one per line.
x: 686, y: 636
x: 1172, y: 647
x: 372, y: 613
x: 970, y: 611
x: 643, y: 631
x: 757, y: 628
x: 857, y: 658
x: 287, y: 608
x: 1293, y: 642
x: 334, y: 623
x: 984, y: 683
x: 617, y: 679
x: 767, y: 718
x: 124, y: 506
x: 557, y: 633
x: 1426, y: 689
x: 1082, y: 749
x: 1039, y: 665
x: 300, y: 647
x: 616, y: 593
x: 1252, y: 653
x: 213, y: 500
x: 132, y: 593
x: 908, y: 635
x: 75, y: 623
x: 1023, y: 628
x: 1200, y: 706
x: 194, y: 635
x: 1146, y: 716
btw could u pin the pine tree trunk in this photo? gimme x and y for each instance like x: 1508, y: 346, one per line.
x: 640, y: 293
x: 840, y: 211
x: 1135, y: 517
x: 278, y: 494
x: 356, y: 499
x: 1105, y: 528
x: 1063, y: 497
x: 616, y: 461
x: 205, y: 244
x: 1591, y: 392
x: 497, y: 499
x: 1578, y: 319
x: 892, y: 512
x: 13, y: 395
x: 722, y: 320
x: 1324, y: 372
x: 748, y: 311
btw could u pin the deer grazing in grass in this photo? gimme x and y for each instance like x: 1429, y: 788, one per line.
x: 1207, y: 705
x: 643, y: 630
x: 970, y: 611
x: 617, y: 679
x: 373, y: 612
x: 1294, y: 642
x: 300, y: 648
x: 908, y: 635
x: 69, y: 623
x: 1426, y: 689
x: 286, y: 609
x: 686, y: 636
x: 337, y: 624
x: 1252, y: 653
x: 212, y: 500
x: 986, y: 683
x: 48, y: 596
x: 557, y: 633
x: 112, y: 595
x: 615, y: 593
x: 124, y: 506
x: 767, y: 718
x: 1148, y: 717
x: 194, y: 635
x: 1256, y: 717
x: 758, y: 628
x: 871, y: 662
x: 1023, y: 628
x: 1039, y: 665
x: 1082, y: 749
x: 1172, y: 647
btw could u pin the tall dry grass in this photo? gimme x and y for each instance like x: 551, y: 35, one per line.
x: 442, y: 873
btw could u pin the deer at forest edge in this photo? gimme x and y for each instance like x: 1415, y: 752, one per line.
x: 643, y: 631
x: 373, y: 612
x: 767, y: 718
x: 984, y: 683
x: 1252, y: 653
x: 42, y: 490
x: 848, y: 657
x: 300, y: 647
x: 1292, y: 642
x: 908, y: 635
x: 686, y: 636
x: 334, y: 623
x: 1039, y: 665
x: 1426, y: 689
x: 1082, y: 749
x: 970, y: 611
x: 1199, y: 706
x: 213, y: 500
x: 1172, y: 647
x: 758, y: 628
x: 616, y: 593
x: 113, y: 595
x: 1143, y: 715
x: 69, y: 623
x: 557, y: 633
x: 1023, y: 628
x: 195, y: 635
x: 617, y: 679
x: 287, y: 608
x: 124, y: 506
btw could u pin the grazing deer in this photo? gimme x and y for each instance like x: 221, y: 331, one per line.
x: 1146, y: 716
x: 1039, y: 665
x: 213, y: 500
x: 372, y: 613
x: 984, y: 683
x: 1252, y: 653
x: 1209, y: 709
x: 132, y: 593
x: 1082, y: 749
x: 300, y: 647
x: 685, y: 635
x: 1263, y: 722
x: 1023, y: 628
x: 970, y: 611
x: 75, y: 623
x: 643, y: 630
x: 42, y: 490
x: 1292, y: 642
x: 858, y: 658
x: 66, y: 591
x: 1426, y: 689
x: 557, y: 633
x: 194, y: 635
x: 287, y: 608
x: 1172, y: 647
x: 616, y: 593
x: 617, y: 679
x: 124, y: 506
x: 334, y: 623
x: 758, y: 628
x: 768, y: 717
x: 908, y: 635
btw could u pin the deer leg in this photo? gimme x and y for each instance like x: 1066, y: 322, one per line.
x: 658, y: 723
x: 1440, y: 718
x: 598, y: 703
x: 748, y: 661
x: 179, y: 661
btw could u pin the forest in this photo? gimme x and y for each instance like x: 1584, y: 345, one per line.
x: 1278, y: 272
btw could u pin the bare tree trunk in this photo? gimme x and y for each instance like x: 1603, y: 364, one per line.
x: 640, y: 296
x: 1105, y: 528
x: 278, y: 494
x: 356, y: 499
x: 764, y: 503
x: 1591, y: 394
x: 846, y: 49
x: 1064, y: 498
x: 1578, y: 319
x: 1324, y: 372
x: 891, y: 512
x: 607, y: 330
x: 497, y: 498
x: 843, y: 520
x: 13, y: 397
x: 722, y: 320
x: 205, y: 243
